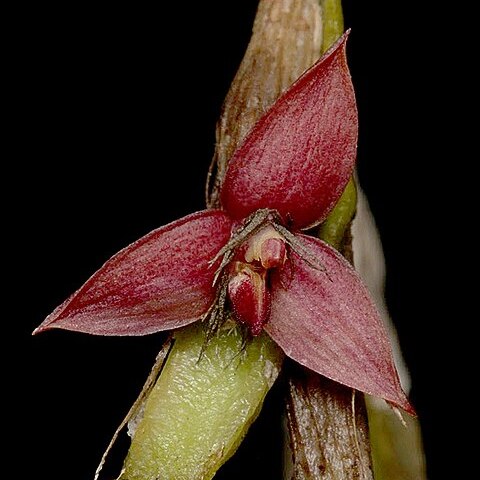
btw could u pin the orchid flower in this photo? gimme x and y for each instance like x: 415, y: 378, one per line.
x: 248, y: 261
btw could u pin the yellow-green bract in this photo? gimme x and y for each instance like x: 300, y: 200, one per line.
x: 200, y: 410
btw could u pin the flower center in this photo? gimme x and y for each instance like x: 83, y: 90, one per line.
x: 248, y: 290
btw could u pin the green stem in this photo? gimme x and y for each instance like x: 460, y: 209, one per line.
x: 334, y: 228
x: 332, y: 17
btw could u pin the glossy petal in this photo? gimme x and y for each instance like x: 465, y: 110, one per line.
x: 299, y: 156
x: 326, y: 321
x: 160, y: 282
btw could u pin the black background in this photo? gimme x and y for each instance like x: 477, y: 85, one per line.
x: 113, y: 132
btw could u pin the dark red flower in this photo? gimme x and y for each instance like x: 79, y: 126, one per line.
x: 249, y: 260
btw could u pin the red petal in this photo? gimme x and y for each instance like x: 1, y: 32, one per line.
x: 326, y: 321
x: 160, y: 282
x: 299, y: 156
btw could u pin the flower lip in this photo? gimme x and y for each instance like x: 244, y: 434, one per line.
x: 248, y: 289
x: 249, y: 297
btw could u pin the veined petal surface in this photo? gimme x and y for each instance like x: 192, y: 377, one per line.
x: 299, y: 156
x: 323, y: 318
x: 161, y: 281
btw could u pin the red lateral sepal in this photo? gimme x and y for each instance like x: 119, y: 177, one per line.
x: 161, y: 281
x: 324, y: 319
